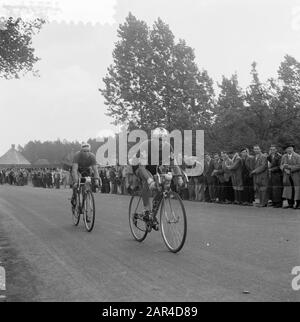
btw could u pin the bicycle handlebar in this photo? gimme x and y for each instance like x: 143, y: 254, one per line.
x: 170, y: 175
x: 83, y: 180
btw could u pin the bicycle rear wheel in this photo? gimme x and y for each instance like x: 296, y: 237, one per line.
x: 137, y: 225
x: 76, y: 212
x: 173, y: 222
x: 89, y: 211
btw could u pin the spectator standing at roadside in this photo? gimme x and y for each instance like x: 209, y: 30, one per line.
x: 260, y: 176
x: 124, y: 179
x: 236, y: 177
x: 217, y: 174
x: 228, y: 190
x: 248, y: 166
x: 290, y: 165
x: 57, y: 179
x: 118, y: 179
x: 275, y: 177
x: 112, y: 179
x: 210, y: 195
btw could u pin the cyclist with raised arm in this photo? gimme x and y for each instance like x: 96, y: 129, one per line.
x: 146, y: 171
x: 84, y: 164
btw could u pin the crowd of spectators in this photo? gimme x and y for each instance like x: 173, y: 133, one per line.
x: 37, y: 177
x: 13, y: 176
x: 242, y: 178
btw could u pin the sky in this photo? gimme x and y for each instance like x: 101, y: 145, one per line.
x: 76, y: 46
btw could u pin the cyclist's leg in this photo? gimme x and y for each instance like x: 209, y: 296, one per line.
x: 75, y: 190
x: 146, y: 178
x: 73, y: 198
x: 146, y: 194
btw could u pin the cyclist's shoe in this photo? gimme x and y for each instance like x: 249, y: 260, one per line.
x: 155, y: 224
x: 151, y: 221
x: 148, y: 220
x: 134, y: 220
x: 147, y: 216
x: 73, y: 201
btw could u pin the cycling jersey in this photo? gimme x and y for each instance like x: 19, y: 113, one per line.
x: 145, y: 155
x: 85, y: 161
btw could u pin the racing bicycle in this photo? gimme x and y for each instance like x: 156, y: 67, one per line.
x: 84, y: 204
x: 166, y: 204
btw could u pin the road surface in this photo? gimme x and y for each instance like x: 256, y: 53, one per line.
x: 232, y: 253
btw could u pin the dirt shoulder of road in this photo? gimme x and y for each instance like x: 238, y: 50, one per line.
x: 19, y: 280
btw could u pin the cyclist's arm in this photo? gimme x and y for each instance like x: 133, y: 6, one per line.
x: 178, y: 173
x: 75, y: 172
x: 95, y: 171
x: 176, y: 168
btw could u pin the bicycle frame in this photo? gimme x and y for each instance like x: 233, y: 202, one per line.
x: 164, y: 185
x: 84, y: 184
x: 84, y: 203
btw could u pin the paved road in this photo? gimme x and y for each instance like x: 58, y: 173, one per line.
x: 232, y: 253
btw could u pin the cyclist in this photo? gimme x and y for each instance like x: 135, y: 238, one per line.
x: 84, y: 163
x: 145, y: 171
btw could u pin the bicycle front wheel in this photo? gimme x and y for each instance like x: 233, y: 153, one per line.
x: 173, y: 222
x: 137, y: 224
x: 76, y: 212
x: 89, y: 211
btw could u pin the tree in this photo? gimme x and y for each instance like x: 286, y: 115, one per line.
x: 126, y: 85
x: 155, y: 81
x: 258, y: 112
x: 231, y: 95
x: 286, y: 101
x: 229, y: 130
x: 53, y: 151
x: 17, y: 55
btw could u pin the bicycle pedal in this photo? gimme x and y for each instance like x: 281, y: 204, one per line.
x: 149, y: 228
x: 155, y: 227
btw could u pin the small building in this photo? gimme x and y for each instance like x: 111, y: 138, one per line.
x: 13, y: 159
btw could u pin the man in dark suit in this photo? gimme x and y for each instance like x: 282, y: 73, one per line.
x: 208, y: 179
x: 218, y: 178
x: 248, y: 166
x: 260, y: 176
x: 236, y: 177
x: 275, y: 176
x: 225, y: 178
x: 290, y: 165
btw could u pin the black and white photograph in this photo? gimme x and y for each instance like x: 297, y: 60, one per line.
x: 149, y: 154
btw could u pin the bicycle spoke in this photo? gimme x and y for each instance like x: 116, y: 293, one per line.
x: 135, y: 211
x: 136, y: 222
x: 174, y: 231
x: 173, y: 223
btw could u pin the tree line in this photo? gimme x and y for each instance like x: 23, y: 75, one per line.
x: 155, y: 81
x: 55, y: 152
